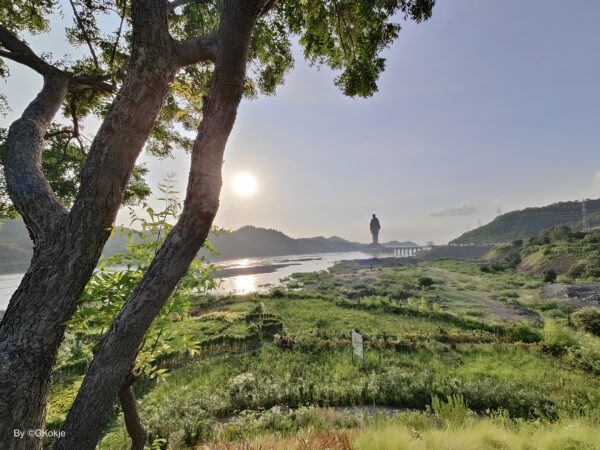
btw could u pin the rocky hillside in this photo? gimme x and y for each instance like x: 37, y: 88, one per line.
x: 571, y: 255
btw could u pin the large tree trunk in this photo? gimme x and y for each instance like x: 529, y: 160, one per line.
x: 67, y: 246
x: 94, y: 403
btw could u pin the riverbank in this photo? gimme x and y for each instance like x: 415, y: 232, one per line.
x: 238, y: 276
x: 444, y: 343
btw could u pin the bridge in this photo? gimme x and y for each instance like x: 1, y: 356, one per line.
x: 430, y: 251
x: 399, y: 251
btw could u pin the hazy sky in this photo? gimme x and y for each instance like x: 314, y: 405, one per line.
x: 490, y: 104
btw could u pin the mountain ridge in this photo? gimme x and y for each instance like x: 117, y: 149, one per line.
x: 245, y: 242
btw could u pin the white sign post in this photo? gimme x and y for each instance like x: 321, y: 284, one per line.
x: 358, y: 346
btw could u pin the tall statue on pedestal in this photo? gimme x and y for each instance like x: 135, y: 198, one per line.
x: 375, y: 226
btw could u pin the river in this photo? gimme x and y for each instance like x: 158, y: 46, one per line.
x: 238, y: 276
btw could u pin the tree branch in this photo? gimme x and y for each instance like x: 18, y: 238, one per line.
x: 126, y: 126
x: 20, y: 52
x: 113, y: 52
x: 201, y: 49
x: 204, y: 48
x: 133, y: 422
x: 88, y: 40
x: 28, y: 188
x: 266, y: 7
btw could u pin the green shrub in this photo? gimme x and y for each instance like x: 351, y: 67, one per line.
x: 585, y: 358
x: 425, y: 282
x: 587, y: 319
x: 586, y: 269
x: 184, y: 421
x: 497, y: 267
x: 278, y: 292
x: 557, y: 339
x: 485, y: 393
x: 549, y: 276
x: 522, y: 332
x: 486, y: 269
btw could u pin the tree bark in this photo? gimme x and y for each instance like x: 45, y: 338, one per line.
x: 94, y: 403
x: 28, y: 188
x: 67, y: 246
x: 133, y: 423
x: 25, y: 361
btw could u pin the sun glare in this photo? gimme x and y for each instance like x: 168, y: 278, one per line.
x: 244, y: 184
x: 244, y: 284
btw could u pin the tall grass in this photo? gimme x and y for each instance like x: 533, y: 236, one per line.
x: 453, y: 412
x: 482, y: 435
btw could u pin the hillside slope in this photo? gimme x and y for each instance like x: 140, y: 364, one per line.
x: 529, y: 222
x: 572, y: 255
x: 575, y: 255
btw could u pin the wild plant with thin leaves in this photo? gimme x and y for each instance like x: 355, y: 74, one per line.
x: 117, y: 276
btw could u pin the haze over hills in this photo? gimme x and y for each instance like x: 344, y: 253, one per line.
x: 246, y: 242
x: 16, y: 248
x: 528, y: 222
x: 252, y: 242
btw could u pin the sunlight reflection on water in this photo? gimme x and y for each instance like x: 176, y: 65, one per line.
x: 244, y: 284
x: 240, y: 284
x: 262, y: 282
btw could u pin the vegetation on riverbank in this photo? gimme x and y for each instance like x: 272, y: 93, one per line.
x: 275, y: 370
x: 556, y: 253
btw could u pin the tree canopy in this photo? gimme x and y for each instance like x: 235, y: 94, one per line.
x: 149, y: 71
x: 345, y: 35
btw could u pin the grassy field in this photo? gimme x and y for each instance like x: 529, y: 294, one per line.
x: 454, y: 358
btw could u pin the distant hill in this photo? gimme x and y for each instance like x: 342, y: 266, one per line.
x: 529, y: 222
x: 254, y: 242
x: 16, y: 248
x: 246, y: 242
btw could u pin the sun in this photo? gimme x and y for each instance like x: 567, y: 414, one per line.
x: 244, y: 184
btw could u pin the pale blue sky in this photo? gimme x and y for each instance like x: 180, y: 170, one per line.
x: 488, y: 105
